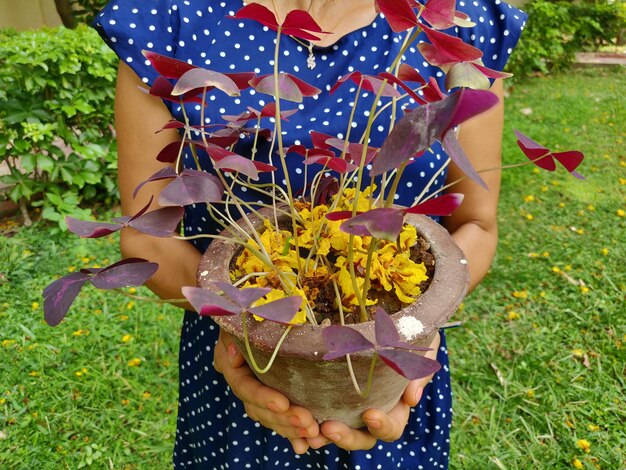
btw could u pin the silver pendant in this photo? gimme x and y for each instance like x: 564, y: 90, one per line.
x: 310, y: 61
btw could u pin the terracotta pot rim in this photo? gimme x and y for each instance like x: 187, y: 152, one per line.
x: 433, y: 308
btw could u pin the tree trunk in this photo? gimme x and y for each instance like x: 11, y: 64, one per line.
x: 65, y: 12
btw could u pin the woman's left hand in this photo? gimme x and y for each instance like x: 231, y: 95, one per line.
x: 385, y: 426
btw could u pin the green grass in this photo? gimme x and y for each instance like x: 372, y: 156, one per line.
x: 538, y: 364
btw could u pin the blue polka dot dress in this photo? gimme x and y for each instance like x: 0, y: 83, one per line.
x: 213, y: 430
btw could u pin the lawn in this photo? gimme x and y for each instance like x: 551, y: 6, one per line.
x: 538, y: 365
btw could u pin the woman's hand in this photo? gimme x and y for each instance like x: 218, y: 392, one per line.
x: 387, y: 427
x: 263, y: 404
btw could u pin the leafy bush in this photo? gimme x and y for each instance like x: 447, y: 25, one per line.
x: 56, y: 114
x: 556, y: 30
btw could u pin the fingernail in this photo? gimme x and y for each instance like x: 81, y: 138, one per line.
x: 418, y: 395
x: 274, y: 407
x: 372, y: 423
x: 295, y: 421
x: 334, y: 437
x: 232, y: 351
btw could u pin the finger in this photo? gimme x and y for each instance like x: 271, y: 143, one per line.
x: 300, y: 446
x: 235, y: 357
x: 413, y: 392
x: 347, y: 438
x: 247, y: 388
x: 318, y: 442
x: 387, y: 427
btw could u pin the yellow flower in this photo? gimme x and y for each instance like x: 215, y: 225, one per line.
x: 130, y: 305
x: 123, y: 317
x: 529, y: 217
x: 530, y: 393
x: 529, y: 198
x: 35, y: 305
x: 78, y: 373
x: 85, y: 260
x: 561, y: 204
x: 132, y: 290
x: 512, y: 316
x: 545, y: 254
x: 125, y: 402
x: 8, y: 342
x: 567, y: 267
x: 621, y: 213
x: 126, y: 338
x: 578, y: 353
x: 584, y: 289
x: 71, y: 269
x: 81, y: 333
x: 577, y: 464
x: 622, y: 181
x: 556, y: 269
x: 33, y: 373
x: 594, y: 427
x: 134, y: 362
x: 276, y: 294
x: 146, y: 395
x: 584, y: 445
x: 523, y: 294
x: 591, y: 207
x: 605, y: 251
x: 2, y: 401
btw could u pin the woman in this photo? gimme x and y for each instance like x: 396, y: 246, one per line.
x: 227, y: 419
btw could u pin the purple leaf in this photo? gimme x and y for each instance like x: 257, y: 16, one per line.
x: 202, y: 78
x: 242, y: 297
x: 440, y: 206
x: 207, y: 303
x: 384, y: 223
x: 164, y: 173
x: 237, y: 163
x: 169, y: 153
x: 91, y: 229
x: 279, y: 311
x: 192, y: 186
x: 470, y: 103
x: 327, y: 187
x: 457, y: 155
x: 158, y: 223
x: 59, y: 296
x: 385, y: 329
x: 288, y: 89
x: 398, y: 13
x: 410, y: 365
x: 544, y: 158
x: 130, y: 272
x: 342, y: 340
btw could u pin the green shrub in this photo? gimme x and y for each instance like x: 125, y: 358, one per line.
x: 56, y: 115
x: 556, y: 30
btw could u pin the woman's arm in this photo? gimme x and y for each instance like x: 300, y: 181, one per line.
x: 138, y: 116
x: 474, y: 224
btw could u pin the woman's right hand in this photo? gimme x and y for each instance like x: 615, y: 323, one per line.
x: 263, y: 404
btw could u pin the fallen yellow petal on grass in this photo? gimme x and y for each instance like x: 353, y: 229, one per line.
x: 126, y: 338
x: 134, y: 362
x: 584, y: 445
x: 621, y: 213
x: 577, y: 464
x: 512, y: 316
x: 594, y: 427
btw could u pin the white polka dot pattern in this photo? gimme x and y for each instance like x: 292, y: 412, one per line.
x: 213, y: 430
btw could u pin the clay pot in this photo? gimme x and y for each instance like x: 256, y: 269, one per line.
x: 325, y: 387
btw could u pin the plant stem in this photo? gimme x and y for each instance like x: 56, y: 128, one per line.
x: 246, y: 338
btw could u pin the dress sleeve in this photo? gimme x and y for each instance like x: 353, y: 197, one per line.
x: 129, y: 26
x: 497, y: 31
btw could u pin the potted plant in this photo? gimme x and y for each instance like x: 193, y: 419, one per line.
x: 310, y: 277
